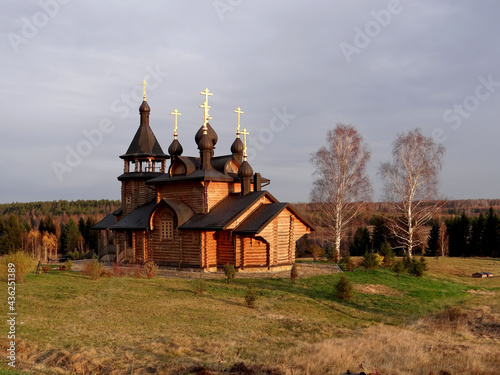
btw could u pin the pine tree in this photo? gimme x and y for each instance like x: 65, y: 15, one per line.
x: 433, y: 240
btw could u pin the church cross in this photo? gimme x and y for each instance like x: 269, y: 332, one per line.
x: 206, y: 107
x: 238, y: 112
x: 175, y: 113
x: 245, y: 133
x: 144, y: 83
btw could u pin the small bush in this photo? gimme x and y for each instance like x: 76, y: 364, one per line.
x: 45, y: 269
x: 151, y: 269
x: 343, y: 288
x: 23, y: 264
x: 93, y: 269
x: 407, y: 261
x: 398, y: 267
x: 251, y: 297
x: 346, y: 263
x: 137, y: 271
x: 230, y: 272
x: 371, y: 261
x: 68, y: 265
x: 199, y: 287
x: 117, y: 270
x: 417, y: 268
x: 316, y: 252
x: 388, y: 254
x: 294, y: 274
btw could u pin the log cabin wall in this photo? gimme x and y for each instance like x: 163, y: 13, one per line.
x: 135, y: 193
x: 190, y: 192
x: 216, y: 191
x: 249, y: 211
x: 210, y: 246
x: 254, y: 252
x: 140, y: 247
x: 225, y: 248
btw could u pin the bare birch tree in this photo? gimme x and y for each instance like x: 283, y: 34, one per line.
x: 341, y: 184
x: 411, y: 182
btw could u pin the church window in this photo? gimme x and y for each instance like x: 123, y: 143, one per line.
x: 167, y: 229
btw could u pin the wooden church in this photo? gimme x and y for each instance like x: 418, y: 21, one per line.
x: 201, y: 211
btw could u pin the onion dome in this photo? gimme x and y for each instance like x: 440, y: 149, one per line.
x: 245, y: 170
x: 211, y: 133
x: 205, y: 143
x: 144, y: 107
x: 175, y: 148
x: 237, y: 147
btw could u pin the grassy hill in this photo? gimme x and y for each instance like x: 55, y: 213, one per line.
x: 125, y: 325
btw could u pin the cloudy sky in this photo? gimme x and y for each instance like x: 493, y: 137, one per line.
x: 71, y: 72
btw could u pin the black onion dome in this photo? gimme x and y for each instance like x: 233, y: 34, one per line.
x: 175, y: 148
x: 211, y: 133
x: 245, y: 170
x: 144, y: 107
x: 237, y: 147
x: 205, y: 143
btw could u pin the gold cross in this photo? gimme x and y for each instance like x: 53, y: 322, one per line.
x: 175, y: 113
x: 206, y: 107
x: 238, y: 112
x: 245, y: 133
x: 144, y: 83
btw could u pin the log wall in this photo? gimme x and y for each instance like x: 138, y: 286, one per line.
x: 138, y: 192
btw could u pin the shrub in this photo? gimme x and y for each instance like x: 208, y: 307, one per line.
x: 398, y: 267
x: 68, y: 265
x: 330, y: 253
x: 388, y: 254
x: 316, y: 252
x: 371, y: 261
x: 199, y: 287
x: 117, y: 270
x: 407, y: 261
x: 45, y: 269
x: 294, y: 274
x: 417, y: 268
x: 230, y: 272
x: 93, y: 269
x: 347, y: 263
x: 151, y: 269
x: 343, y: 288
x: 23, y: 264
x: 137, y: 271
x: 251, y: 297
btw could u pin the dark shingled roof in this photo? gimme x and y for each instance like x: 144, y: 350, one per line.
x: 182, y: 210
x: 225, y: 212
x: 144, y: 144
x: 108, y: 220
x: 199, y: 174
x: 137, y: 219
x: 259, y: 219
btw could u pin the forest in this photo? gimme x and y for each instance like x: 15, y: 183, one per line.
x: 463, y: 228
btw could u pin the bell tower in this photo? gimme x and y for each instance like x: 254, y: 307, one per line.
x: 143, y: 161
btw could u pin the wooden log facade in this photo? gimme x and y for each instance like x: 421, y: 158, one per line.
x: 203, y: 212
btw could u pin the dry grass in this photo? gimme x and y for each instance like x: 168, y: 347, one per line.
x: 24, y: 264
x: 124, y: 325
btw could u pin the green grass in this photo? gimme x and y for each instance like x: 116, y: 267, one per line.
x: 135, y: 322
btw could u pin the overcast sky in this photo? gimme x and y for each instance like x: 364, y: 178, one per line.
x: 71, y: 72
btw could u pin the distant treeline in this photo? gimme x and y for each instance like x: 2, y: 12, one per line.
x: 45, y: 228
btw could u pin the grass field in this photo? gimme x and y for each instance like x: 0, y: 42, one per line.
x: 445, y: 321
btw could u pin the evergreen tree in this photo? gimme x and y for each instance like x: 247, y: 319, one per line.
x: 70, y: 237
x: 361, y: 242
x: 476, y: 236
x: 491, y: 239
x: 381, y: 232
x: 47, y: 225
x: 433, y: 240
x: 10, y: 235
x: 459, y: 232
